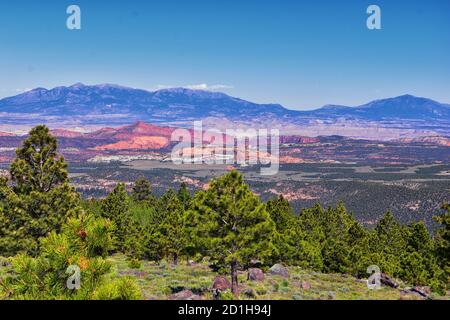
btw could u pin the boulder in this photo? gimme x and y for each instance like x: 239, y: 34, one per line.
x: 420, y: 291
x: 280, y: 270
x: 185, y: 295
x: 387, y: 281
x: 255, y: 274
x: 221, y: 283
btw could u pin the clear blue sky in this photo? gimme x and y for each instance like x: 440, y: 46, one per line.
x: 302, y: 54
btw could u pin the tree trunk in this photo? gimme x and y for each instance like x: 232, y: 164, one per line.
x: 234, y: 279
x: 175, y: 259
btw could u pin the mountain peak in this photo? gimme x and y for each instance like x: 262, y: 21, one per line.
x: 36, y: 90
x: 402, y: 96
x: 410, y: 97
x: 401, y: 101
x: 77, y: 85
x: 140, y: 125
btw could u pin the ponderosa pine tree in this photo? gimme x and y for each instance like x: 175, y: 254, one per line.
x: 184, y: 196
x: 419, y: 265
x: 172, y: 230
x: 40, y: 198
x: 231, y: 224
x: 116, y: 203
x: 38, y: 167
x: 359, y: 243
x: 142, y: 191
x: 388, y: 244
x: 330, y: 232
x: 129, y: 234
x: 442, y: 241
x: 336, y: 247
x: 291, y: 246
x: 281, y: 213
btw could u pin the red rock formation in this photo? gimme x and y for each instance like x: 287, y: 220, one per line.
x: 7, y: 134
x: 150, y: 142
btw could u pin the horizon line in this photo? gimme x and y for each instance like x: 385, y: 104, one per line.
x: 81, y: 84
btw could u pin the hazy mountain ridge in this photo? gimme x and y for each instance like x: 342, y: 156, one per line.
x: 402, y: 107
x: 167, y: 104
x: 181, y: 104
x: 87, y: 108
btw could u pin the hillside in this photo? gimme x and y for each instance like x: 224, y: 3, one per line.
x: 162, y: 281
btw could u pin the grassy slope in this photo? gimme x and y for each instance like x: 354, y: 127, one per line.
x: 159, y: 280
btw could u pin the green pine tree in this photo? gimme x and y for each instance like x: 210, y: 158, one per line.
x: 172, y: 231
x: 384, y: 246
x: 129, y: 234
x: 419, y: 265
x: 291, y: 245
x: 442, y: 241
x: 231, y: 224
x: 40, y: 199
x: 116, y: 203
x: 331, y: 232
x: 281, y: 213
x: 38, y: 167
x: 185, y: 196
x: 142, y: 191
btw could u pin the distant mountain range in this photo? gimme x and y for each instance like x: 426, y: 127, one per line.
x: 116, y: 101
x: 406, y: 107
x: 113, y: 105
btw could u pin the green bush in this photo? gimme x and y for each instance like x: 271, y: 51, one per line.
x: 134, y: 263
x: 226, y: 295
x: 83, y: 243
x: 121, y: 289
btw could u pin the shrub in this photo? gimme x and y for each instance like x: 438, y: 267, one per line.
x: 82, y: 244
x: 226, y: 295
x: 134, y: 263
x: 121, y: 289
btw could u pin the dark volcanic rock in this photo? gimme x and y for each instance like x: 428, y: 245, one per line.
x: 388, y: 281
x: 423, y: 292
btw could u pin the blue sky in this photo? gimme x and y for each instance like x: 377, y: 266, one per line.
x: 302, y: 54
